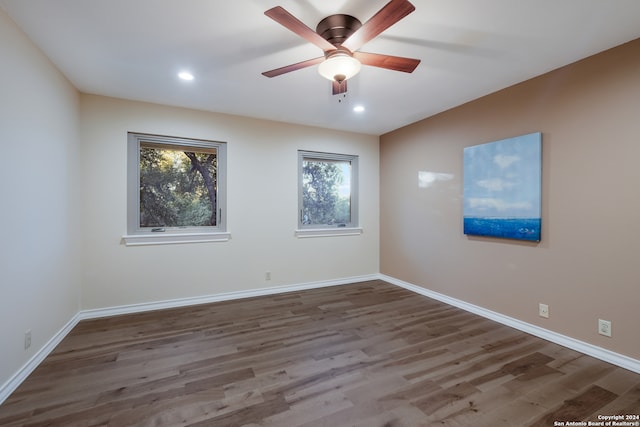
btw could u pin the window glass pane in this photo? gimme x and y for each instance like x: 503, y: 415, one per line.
x: 178, y: 186
x: 326, y: 192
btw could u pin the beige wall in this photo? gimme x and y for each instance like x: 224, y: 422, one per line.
x: 587, y: 265
x: 262, y: 208
x: 40, y: 211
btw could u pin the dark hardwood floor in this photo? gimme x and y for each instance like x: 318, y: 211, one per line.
x: 368, y: 354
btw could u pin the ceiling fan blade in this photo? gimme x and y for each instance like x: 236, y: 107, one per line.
x: 287, y: 20
x: 391, y: 13
x: 338, y: 87
x: 293, y: 67
x: 396, y: 63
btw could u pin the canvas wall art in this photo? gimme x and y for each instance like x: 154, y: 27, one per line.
x: 502, y: 188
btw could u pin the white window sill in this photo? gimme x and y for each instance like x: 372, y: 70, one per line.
x: 328, y: 232
x: 173, y: 238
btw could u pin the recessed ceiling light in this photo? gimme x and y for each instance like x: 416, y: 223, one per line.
x: 358, y: 108
x: 185, y: 75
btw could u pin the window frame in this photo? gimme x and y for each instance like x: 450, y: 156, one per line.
x: 318, y: 230
x: 137, y: 235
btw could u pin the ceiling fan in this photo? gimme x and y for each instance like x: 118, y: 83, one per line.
x: 340, y: 36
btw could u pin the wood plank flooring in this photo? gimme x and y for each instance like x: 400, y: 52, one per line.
x: 367, y: 354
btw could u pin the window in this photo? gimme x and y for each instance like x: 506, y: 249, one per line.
x: 176, y: 190
x: 328, y: 194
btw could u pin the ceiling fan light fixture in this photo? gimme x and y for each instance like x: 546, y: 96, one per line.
x: 339, y: 67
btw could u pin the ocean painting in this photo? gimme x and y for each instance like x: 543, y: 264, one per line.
x: 502, y: 188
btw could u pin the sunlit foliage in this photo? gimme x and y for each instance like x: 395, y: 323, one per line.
x: 177, y: 188
x: 321, y: 199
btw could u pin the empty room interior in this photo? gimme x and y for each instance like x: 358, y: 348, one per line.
x: 262, y: 309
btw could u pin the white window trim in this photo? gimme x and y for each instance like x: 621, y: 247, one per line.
x: 174, y: 238
x: 328, y: 232
x: 316, y: 230
x: 137, y: 236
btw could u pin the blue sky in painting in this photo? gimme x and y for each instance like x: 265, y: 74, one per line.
x: 502, y: 179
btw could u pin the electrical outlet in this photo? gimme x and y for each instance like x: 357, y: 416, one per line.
x: 543, y: 310
x: 604, y: 327
x: 27, y: 339
x: 267, y: 275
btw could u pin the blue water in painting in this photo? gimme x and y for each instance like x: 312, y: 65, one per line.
x: 508, y: 228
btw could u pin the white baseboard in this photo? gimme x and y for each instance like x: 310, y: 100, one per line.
x: 206, y: 299
x: 563, y: 340
x: 12, y: 383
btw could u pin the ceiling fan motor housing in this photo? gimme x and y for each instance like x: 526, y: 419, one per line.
x: 337, y: 28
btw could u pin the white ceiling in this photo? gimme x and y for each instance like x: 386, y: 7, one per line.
x: 133, y: 49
